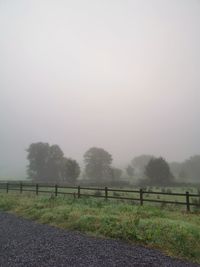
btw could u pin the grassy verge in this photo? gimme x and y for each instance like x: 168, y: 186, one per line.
x: 174, y: 232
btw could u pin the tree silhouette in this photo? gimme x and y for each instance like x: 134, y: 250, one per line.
x: 98, y: 164
x: 48, y: 164
x: 158, y: 172
x: 70, y: 170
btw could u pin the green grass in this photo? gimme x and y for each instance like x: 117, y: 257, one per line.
x: 174, y: 232
x: 148, y: 195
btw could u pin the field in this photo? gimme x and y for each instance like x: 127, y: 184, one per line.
x: 175, y: 232
x: 157, y: 196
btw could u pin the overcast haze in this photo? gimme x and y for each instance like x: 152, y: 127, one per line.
x: 122, y: 75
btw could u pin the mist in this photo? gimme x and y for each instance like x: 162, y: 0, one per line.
x: 121, y: 75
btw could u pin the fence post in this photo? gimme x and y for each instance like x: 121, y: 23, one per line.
x: 7, y: 187
x: 106, y: 192
x: 79, y: 191
x: 21, y: 185
x: 187, y: 200
x: 36, y: 189
x: 56, y: 190
x: 141, y: 196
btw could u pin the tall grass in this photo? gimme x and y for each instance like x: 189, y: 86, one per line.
x: 174, y: 232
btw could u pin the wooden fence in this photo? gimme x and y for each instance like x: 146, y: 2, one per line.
x: 80, y: 191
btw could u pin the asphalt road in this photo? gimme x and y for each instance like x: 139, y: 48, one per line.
x: 26, y: 243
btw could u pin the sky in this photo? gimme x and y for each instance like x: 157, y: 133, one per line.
x: 123, y: 75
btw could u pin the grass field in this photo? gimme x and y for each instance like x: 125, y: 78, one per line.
x: 14, y: 187
x: 168, y: 229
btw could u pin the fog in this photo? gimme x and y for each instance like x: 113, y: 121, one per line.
x: 121, y: 75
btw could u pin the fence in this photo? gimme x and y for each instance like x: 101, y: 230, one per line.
x: 80, y: 191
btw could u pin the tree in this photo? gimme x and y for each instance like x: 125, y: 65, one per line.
x: 54, y: 163
x: 191, y: 168
x: 70, y: 170
x: 38, y: 154
x: 98, y: 164
x: 139, y: 163
x: 130, y: 171
x: 187, y: 171
x: 158, y: 172
x: 48, y: 164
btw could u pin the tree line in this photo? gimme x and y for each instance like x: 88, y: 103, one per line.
x: 187, y: 171
x: 47, y: 163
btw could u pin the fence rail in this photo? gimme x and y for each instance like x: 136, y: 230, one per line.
x: 79, y: 191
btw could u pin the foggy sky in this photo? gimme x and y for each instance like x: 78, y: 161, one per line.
x: 119, y: 74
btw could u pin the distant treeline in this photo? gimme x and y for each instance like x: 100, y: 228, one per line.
x: 184, y: 172
x: 47, y: 163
